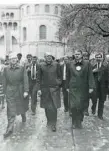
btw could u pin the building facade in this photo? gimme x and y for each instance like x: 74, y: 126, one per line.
x: 30, y: 28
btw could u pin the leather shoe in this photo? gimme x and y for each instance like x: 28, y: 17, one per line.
x: 93, y: 112
x: 79, y: 125
x: 54, y: 128
x: 7, y: 134
x: 23, y: 119
x: 86, y: 113
x: 100, y: 117
x: 33, y: 113
x: 73, y: 126
x: 65, y: 110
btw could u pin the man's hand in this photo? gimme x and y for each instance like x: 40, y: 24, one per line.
x: 90, y: 90
x: 68, y: 90
x: 39, y: 92
x: 25, y: 94
x: 95, y: 70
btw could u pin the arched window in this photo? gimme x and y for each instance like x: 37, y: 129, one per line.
x: 15, y: 26
x: 36, y: 8
x: 24, y: 34
x: 14, y: 40
x: 2, y: 15
x: 0, y: 26
x: 47, y: 8
x: 28, y: 9
x: 12, y: 15
x: 42, y: 32
x: 2, y: 40
x: 5, y: 25
x: 56, y: 9
x: 10, y: 25
x: 7, y: 15
x: 22, y: 11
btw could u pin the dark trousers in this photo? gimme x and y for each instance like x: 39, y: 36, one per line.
x: 98, y: 94
x: 86, y: 105
x: 77, y: 115
x: 65, y: 94
x: 33, y: 94
x: 11, y: 119
x: 51, y: 115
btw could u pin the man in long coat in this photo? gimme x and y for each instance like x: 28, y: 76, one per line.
x: 15, y: 83
x: 49, y: 76
x: 80, y: 84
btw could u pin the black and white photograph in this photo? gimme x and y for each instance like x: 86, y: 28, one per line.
x: 54, y: 76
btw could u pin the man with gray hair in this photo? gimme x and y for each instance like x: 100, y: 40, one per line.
x: 49, y: 79
x: 15, y: 86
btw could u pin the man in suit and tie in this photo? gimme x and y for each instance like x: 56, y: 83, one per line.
x: 64, y: 78
x: 100, y: 72
x: 33, y: 88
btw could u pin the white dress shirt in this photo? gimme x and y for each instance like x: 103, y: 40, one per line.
x: 64, y: 72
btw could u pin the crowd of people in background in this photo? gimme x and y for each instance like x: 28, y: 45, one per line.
x: 77, y: 77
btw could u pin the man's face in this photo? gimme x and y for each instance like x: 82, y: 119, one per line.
x: 98, y: 59
x: 49, y: 58
x: 78, y: 55
x: 13, y: 61
x: 19, y: 57
x: 34, y: 60
x: 66, y: 59
x: 29, y: 58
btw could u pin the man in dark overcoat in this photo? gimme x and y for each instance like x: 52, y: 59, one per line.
x: 80, y: 84
x: 100, y: 72
x: 49, y: 76
x: 15, y: 85
x: 33, y: 87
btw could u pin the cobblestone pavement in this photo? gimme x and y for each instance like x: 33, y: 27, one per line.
x: 35, y: 136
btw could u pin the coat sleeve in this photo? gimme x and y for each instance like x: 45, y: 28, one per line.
x: 4, y: 81
x: 26, y: 82
x: 38, y: 79
x: 68, y: 76
x: 106, y: 77
x: 91, y: 77
x: 59, y: 74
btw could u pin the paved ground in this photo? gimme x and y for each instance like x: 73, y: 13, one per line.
x: 35, y: 136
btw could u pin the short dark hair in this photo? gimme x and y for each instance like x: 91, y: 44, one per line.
x: 19, y: 54
x: 29, y: 55
x: 79, y: 51
x: 35, y: 57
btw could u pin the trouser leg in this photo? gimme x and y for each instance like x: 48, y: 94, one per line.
x: 11, y: 119
x: 79, y: 118
x: 23, y: 117
x: 65, y: 98
x: 2, y: 101
x: 34, y: 100
x: 86, y: 105
x: 51, y: 116
x: 94, y: 102
x: 74, y: 115
x: 100, y: 108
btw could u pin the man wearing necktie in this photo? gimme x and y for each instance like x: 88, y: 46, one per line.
x: 64, y: 78
x: 100, y: 73
x: 33, y: 88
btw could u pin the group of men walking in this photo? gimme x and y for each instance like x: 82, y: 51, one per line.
x: 79, y: 80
